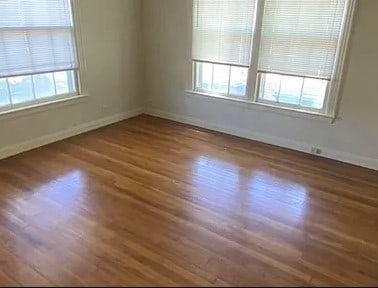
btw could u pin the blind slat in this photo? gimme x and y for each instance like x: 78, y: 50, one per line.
x: 222, y: 30
x: 301, y: 36
x: 36, y: 36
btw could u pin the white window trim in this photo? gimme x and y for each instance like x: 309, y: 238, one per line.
x: 39, y: 106
x: 330, y: 110
x: 333, y: 102
x: 257, y: 106
x: 82, y: 67
x: 58, y: 100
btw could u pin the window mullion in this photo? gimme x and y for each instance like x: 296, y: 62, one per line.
x: 33, y: 87
x: 253, y: 74
x: 212, y: 77
x: 300, y: 98
x: 229, y: 80
x: 279, y: 91
x: 9, y: 91
x: 55, y: 89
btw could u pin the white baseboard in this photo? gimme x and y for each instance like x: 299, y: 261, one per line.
x: 47, y: 139
x: 370, y: 163
x: 282, y: 142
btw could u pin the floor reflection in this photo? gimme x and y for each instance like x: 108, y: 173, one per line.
x: 282, y: 197
x: 225, y: 184
x: 216, y: 180
x: 67, y: 188
x: 54, y: 203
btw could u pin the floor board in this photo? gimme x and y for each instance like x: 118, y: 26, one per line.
x: 150, y: 202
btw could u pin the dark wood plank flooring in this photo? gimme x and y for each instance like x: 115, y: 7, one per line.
x: 152, y: 202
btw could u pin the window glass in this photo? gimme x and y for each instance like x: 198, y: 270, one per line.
x: 4, y: 95
x: 270, y: 87
x: 204, y: 76
x: 314, y: 92
x: 221, y: 78
x: 238, y: 81
x: 21, y: 89
x: 44, y: 85
x: 293, y: 91
x: 65, y: 82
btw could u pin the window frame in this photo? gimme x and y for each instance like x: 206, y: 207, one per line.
x: 332, y: 96
x: 77, y: 74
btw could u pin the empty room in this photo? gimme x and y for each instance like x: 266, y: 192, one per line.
x: 181, y: 143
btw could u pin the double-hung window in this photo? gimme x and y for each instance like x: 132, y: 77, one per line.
x: 285, y: 53
x: 38, y: 59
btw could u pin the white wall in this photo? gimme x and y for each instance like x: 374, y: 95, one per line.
x: 118, y: 58
x: 167, y: 69
x: 111, y: 35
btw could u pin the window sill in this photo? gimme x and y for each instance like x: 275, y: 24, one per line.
x: 42, y: 106
x: 266, y: 107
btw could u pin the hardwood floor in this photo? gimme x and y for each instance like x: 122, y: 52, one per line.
x: 152, y: 202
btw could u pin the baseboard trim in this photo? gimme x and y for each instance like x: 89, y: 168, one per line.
x: 51, y: 138
x: 345, y: 157
x: 282, y: 142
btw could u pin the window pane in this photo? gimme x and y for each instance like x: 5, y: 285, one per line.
x: 21, y: 89
x: 65, y: 82
x: 238, y: 81
x: 33, y: 87
x: 270, y: 87
x: 291, y: 90
x: 314, y: 91
x: 221, y: 78
x: 4, y: 96
x: 44, y: 85
x: 204, y: 76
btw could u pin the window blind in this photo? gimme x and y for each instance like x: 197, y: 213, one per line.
x: 301, y: 37
x: 36, y: 36
x: 222, y: 31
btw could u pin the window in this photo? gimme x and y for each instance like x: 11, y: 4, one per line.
x: 221, y: 78
x: 286, y: 53
x: 38, y: 59
x: 222, y: 39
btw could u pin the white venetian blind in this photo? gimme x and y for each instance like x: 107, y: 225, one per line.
x: 222, y: 31
x: 36, y: 36
x: 301, y: 36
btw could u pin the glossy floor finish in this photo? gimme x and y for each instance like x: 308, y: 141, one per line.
x: 152, y: 202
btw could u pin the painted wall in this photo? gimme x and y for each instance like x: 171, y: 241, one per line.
x: 167, y: 72
x: 111, y: 37
x: 131, y: 64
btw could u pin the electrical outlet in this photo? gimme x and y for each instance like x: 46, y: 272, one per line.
x: 316, y: 151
